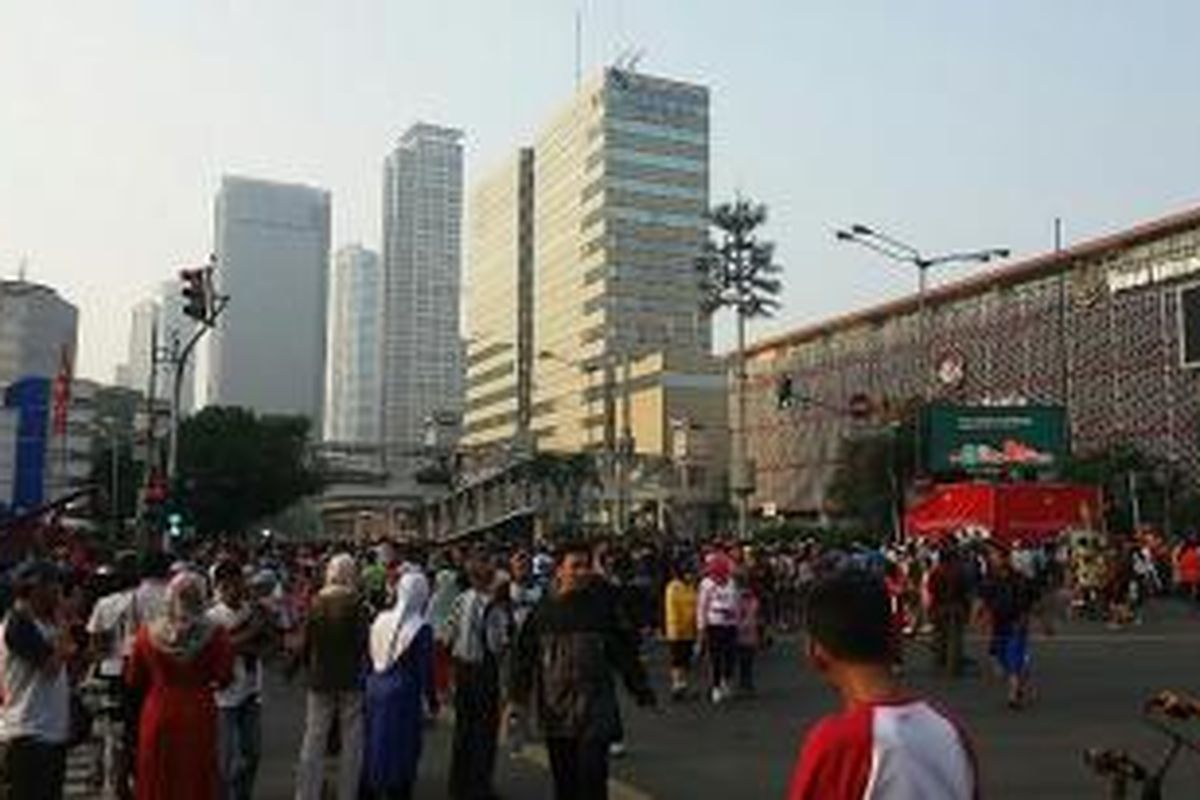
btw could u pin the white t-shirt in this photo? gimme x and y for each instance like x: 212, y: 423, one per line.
x: 717, y: 603
x: 149, y: 602
x: 247, y: 681
x: 111, y: 617
x: 36, y: 704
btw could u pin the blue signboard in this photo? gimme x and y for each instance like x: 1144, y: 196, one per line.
x: 31, y: 398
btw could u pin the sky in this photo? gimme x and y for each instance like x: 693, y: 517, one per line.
x: 950, y: 124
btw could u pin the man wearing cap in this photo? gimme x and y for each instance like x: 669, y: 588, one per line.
x: 35, y: 717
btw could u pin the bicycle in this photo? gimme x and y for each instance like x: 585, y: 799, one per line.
x: 1122, y: 771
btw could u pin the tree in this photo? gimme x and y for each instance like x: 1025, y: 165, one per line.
x: 570, y: 474
x: 236, y: 468
x: 872, y: 469
x: 738, y: 271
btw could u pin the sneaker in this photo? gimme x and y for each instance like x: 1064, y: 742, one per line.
x: 717, y: 695
x: 616, y: 749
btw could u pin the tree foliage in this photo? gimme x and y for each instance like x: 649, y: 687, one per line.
x: 737, y: 270
x: 872, y: 470
x: 236, y: 468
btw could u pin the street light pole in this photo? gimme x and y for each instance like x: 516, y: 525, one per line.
x: 897, y: 250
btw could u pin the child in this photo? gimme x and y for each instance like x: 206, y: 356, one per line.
x: 747, y: 635
x: 679, y: 627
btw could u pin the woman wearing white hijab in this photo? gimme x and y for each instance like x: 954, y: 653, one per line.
x: 401, y: 677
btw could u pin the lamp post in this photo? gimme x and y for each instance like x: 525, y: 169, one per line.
x: 897, y: 250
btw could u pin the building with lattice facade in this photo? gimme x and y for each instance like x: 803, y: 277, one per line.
x: 1100, y: 326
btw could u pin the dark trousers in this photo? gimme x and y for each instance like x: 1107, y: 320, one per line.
x: 949, y: 623
x: 722, y: 652
x: 579, y: 767
x: 31, y: 769
x: 476, y: 730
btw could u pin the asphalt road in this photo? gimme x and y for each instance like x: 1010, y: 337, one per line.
x: 1091, y: 683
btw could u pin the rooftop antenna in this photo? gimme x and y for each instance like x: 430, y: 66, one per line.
x: 22, y: 269
x: 578, y: 46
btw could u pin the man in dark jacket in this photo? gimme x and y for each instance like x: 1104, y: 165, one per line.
x: 567, y: 652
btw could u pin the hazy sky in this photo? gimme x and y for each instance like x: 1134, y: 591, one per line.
x: 951, y: 123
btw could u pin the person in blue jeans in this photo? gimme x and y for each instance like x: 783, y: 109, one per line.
x: 239, y: 706
x: 1009, y: 600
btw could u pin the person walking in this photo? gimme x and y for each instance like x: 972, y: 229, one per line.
x: 400, y: 680
x: 749, y: 627
x: 679, y: 627
x: 949, y: 609
x: 477, y: 630
x: 335, y: 655
x: 35, y: 716
x: 886, y: 743
x: 178, y: 660
x: 239, y: 706
x: 716, y: 619
x: 566, y: 655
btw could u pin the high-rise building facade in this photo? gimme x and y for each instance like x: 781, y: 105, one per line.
x: 42, y: 455
x: 272, y: 248
x: 37, y: 329
x: 500, y: 304
x: 354, y: 388
x: 422, y: 345
x: 140, y: 353
x: 621, y: 188
x: 592, y: 236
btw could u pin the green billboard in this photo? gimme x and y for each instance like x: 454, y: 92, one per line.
x: 982, y: 439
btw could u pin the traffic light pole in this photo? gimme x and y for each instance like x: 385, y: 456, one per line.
x: 179, y: 359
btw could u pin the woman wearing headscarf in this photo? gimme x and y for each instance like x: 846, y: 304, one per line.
x: 334, y: 653
x: 178, y: 660
x: 401, y: 676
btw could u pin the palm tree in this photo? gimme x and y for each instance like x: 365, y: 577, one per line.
x: 739, y: 272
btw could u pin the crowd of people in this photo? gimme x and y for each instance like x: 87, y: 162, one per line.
x: 512, y: 642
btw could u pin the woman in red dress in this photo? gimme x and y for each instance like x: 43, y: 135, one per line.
x: 178, y: 660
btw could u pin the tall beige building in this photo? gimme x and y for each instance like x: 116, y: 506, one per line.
x: 500, y: 304
x: 611, y: 211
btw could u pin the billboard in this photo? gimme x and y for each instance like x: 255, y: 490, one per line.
x: 982, y: 439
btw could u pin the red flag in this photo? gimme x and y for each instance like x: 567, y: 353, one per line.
x: 62, y: 391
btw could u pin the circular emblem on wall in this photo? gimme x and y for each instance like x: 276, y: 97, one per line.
x: 951, y: 370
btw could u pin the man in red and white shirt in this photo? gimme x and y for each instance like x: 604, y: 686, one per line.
x: 886, y: 744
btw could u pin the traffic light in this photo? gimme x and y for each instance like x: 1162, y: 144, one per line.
x: 196, y: 294
x: 785, y: 396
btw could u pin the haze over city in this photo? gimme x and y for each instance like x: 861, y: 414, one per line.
x: 953, y: 125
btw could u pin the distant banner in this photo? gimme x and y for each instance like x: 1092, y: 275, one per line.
x: 983, y: 439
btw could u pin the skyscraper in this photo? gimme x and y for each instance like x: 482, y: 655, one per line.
x: 41, y: 454
x: 272, y: 247
x: 140, y: 353
x: 355, y: 387
x: 619, y: 192
x: 37, y: 327
x: 422, y: 346
x: 500, y: 304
